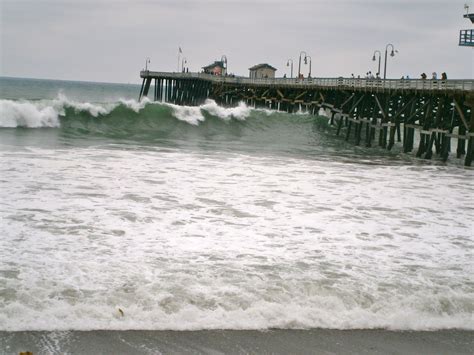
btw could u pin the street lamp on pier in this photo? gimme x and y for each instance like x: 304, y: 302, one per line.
x: 147, y: 61
x: 180, y: 51
x: 380, y: 57
x: 299, y: 63
x: 306, y: 62
x: 288, y: 64
x: 224, y: 60
x: 183, y: 62
x: 392, y: 54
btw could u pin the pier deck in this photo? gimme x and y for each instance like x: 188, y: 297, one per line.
x: 368, y: 111
x: 355, y: 83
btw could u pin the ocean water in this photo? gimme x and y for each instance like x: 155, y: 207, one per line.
x: 116, y: 214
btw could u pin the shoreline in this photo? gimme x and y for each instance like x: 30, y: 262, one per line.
x: 275, y: 341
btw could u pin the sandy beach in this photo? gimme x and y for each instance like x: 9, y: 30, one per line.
x: 317, y: 341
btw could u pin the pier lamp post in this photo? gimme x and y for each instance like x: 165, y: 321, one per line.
x: 392, y: 54
x: 146, y: 63
x: 305, y: 61
x: 224, y: 60
x: 299, y: 63
x: 183, y: 62
x: 380, y: 57
x: 288, y: 64
x: 180, y: 51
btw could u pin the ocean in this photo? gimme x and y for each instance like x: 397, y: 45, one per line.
x: 125, y: 215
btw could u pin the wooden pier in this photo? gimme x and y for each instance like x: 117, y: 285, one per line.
x: 367, y: 111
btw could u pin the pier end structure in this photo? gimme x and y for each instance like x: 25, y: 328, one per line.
x: 466, y: 37
x: 366, y: 111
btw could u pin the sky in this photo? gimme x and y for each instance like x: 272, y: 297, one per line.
x: 109, y: 40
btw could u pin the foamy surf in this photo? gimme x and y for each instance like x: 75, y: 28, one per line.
x: 27, y: 114
x: 196, y: 114
x: 261, y: 315
x: 46, y: 113
x: 177, y: 246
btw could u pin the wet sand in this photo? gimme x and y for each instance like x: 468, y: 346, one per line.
x: 315, y: 341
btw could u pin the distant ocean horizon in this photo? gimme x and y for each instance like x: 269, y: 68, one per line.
x: 119, y: 215
x: 71, y: 80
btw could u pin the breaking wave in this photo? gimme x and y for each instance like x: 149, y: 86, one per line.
x: 314, y: 311
x: 146, y: 122
x: 49, y: 113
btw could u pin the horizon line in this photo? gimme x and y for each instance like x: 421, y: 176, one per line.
x: 69, y: 80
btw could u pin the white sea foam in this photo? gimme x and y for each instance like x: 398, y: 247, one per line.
x: 46, y: 113
x: 135, y: 105
x: 189, y: 114
x: 240, y: 112
x: 324, y: 312
x: 182, y: 240
x: 27, y: 114
x: 194, y: 114
x: 62, y: 102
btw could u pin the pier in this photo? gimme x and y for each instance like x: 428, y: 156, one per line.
x: 372, y: 112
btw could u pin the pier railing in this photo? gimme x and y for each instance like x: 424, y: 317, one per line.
x: 361, y: 83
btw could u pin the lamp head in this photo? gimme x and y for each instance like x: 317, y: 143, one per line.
x: 373, y: 58
x: 392, y: 54
x: 305, y: 60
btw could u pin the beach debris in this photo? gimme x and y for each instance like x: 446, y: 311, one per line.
x: 121, y: 312
x: 26, y: 353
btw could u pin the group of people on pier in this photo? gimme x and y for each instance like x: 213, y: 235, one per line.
x: 434, y: 76
x: 368, y: 75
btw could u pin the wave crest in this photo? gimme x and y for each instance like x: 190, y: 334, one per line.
x: 196, y: 114
x: 47, y: 113
x: 26, y: 114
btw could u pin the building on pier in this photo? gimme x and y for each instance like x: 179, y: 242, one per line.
x: 466, y: 37
x: 216, y: 68
x: 262, y: 71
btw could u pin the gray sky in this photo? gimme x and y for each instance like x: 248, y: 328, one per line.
x: 108, y: 40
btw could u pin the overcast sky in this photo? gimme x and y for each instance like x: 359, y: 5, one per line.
x: 108, y: 40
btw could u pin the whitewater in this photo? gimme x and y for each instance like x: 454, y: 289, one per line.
x: 117, y: 214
